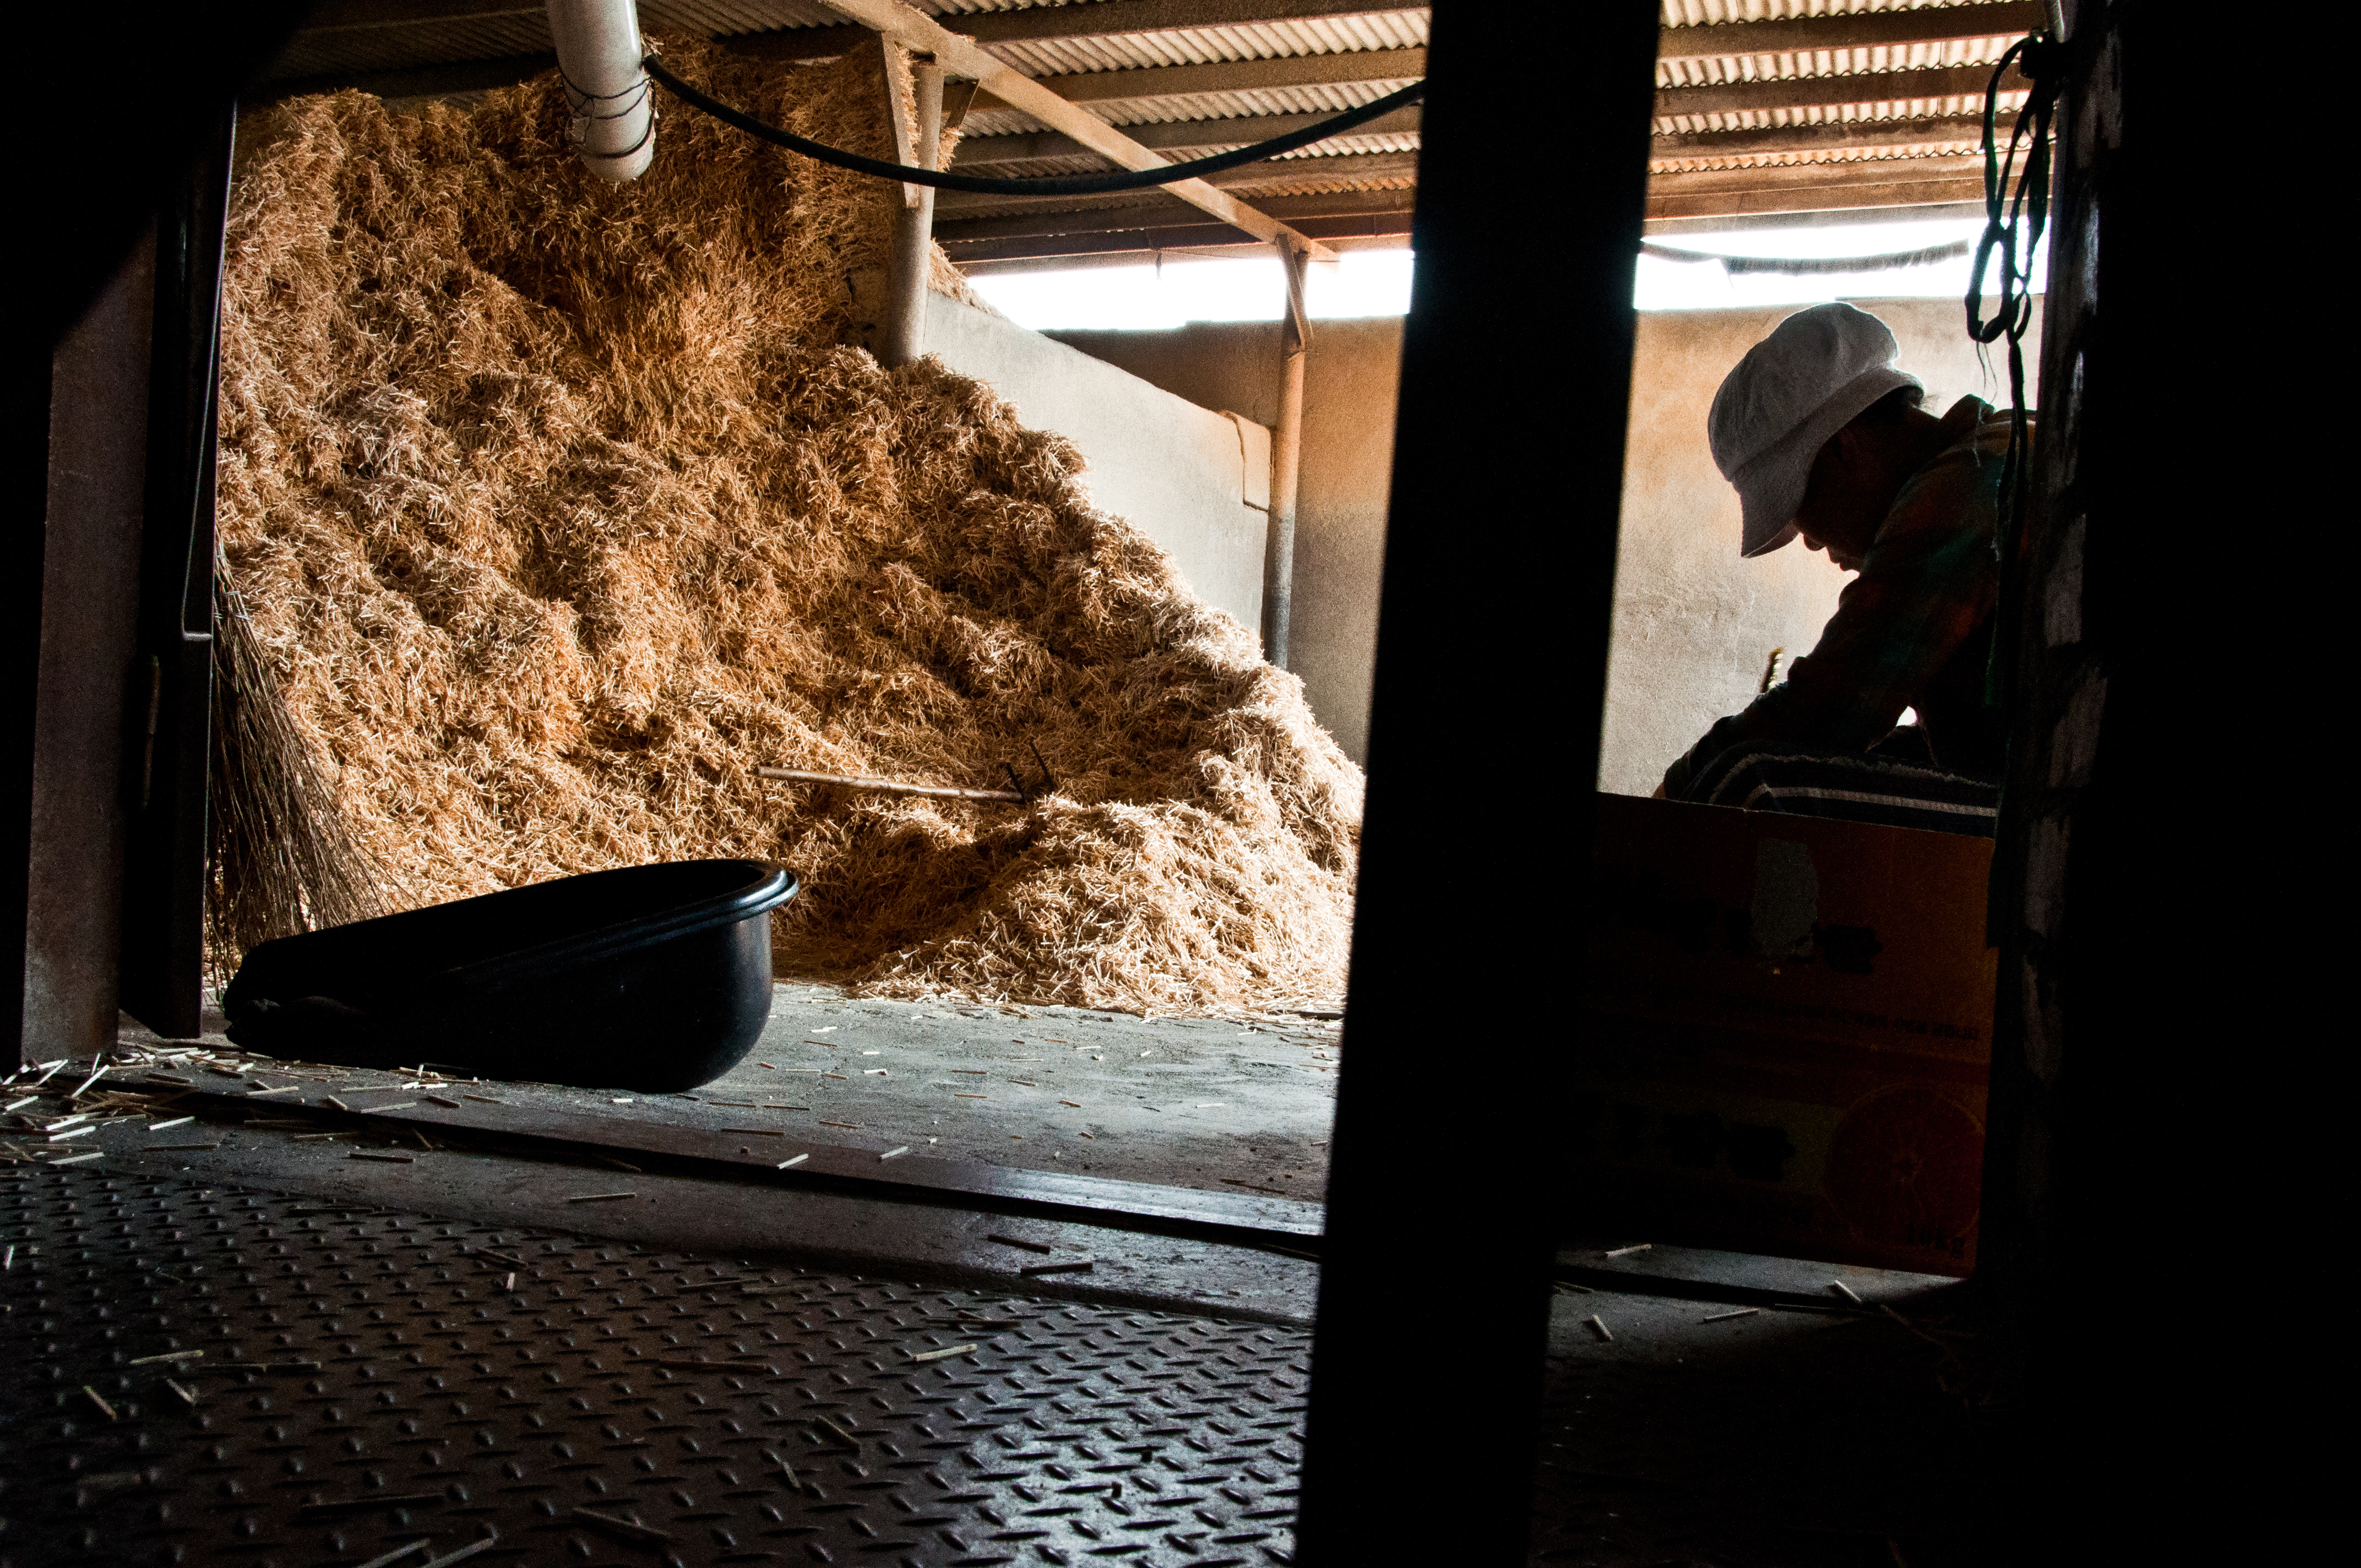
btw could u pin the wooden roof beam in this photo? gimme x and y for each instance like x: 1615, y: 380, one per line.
x: 1108, y: 18
x: 1961, y: 195
x: 1819, y: 176
x: 1160, y: 211
x: 1357, y: 166
x: 1215, y: 238
x: 1828, y: 136
x: 963, y: 57
x: 1195, y: 137
x: 1229, y: 76
x: 1832, y: 92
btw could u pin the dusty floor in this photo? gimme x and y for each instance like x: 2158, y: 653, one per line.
x: 1181, y: 1101
x: 1703, y: 1435
x: 1241, y: 1104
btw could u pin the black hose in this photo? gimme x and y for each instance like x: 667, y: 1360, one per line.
x: 1054, y: 185
x: 2041, y: 58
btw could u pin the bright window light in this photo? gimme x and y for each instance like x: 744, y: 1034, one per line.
x: 1377, y: 283
x: 1147, y: 298
x: 1664, y: 285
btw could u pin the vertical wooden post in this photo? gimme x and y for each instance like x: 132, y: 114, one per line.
x: 1286, y: 462
x: 162, y: 973
x: 902, y: 330
x: 25, y: 389
x: 1480, y: 479
x: 97, y: 433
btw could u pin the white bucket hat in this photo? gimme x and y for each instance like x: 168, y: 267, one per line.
x: 1815, y: 372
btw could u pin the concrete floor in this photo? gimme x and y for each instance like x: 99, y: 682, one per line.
x: 1236, y: 1105
x: 1699, y: 1438
x: 1239, y: 1103
x: 1243, y: 1102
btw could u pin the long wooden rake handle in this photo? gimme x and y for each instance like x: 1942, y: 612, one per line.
x: 887, y: 786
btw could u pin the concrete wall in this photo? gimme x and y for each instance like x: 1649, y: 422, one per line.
x: 1195, y: 481
x: 1694, y: 623
x: 1348, y: 433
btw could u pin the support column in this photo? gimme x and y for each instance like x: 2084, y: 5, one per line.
x: 97, y: 430
x: 1465, y: 644
x: 902, y: 328
x: 165, y: 862
x: 1286, y: 462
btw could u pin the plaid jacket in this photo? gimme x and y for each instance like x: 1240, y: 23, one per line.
x: 1914, y: 630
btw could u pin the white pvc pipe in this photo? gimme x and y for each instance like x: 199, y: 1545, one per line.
x: 598, y: 53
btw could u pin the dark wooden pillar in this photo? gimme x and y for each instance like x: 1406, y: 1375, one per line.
x: 2152, y: 1081
x: 23, y: 504
x: 97, y: 470
x: 171, y: 700
x: 1435, y: 1276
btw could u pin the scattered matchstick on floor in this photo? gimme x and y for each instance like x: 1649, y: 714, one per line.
x: 1042, y: 1247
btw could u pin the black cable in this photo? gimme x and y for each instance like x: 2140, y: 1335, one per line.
x: 1054, y: 185
x: 2043, y: 60
x: 2040, y: 57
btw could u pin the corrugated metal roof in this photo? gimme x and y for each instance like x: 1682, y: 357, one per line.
x: 402, y: 44
x: 1867, y: 111
x: 720, y: 18
x: 1715, y: 13
x: 1850, y: 110
x: 1344, y: 145
x: 1203, y: 46
x: 1696, y: 71
x: 972, y: 7
x: 363, y: 49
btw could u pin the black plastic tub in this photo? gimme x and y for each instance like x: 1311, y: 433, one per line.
x: 655, y: 978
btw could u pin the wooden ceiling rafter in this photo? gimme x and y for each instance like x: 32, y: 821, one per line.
x: 915, y: 30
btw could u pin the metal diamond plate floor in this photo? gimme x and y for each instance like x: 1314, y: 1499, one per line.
x: 214, y: 1374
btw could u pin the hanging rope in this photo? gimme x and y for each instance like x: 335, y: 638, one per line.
x: 2013, y: 227
x: 1054, y: 185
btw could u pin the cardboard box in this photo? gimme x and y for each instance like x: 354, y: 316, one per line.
x: 1786, y: 1036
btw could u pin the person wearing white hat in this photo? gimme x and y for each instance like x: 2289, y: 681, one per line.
x: 1821, y: 434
